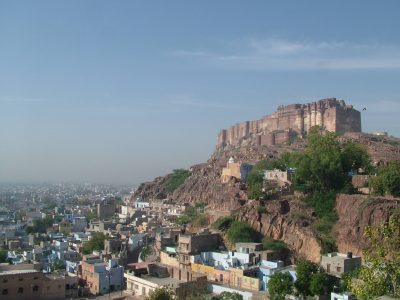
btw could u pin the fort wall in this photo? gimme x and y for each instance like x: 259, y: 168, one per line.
x: 295, y: 119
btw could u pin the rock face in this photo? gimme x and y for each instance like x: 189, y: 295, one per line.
x: 281, y: 222
x: 355, y: 213
x: 287, y: 219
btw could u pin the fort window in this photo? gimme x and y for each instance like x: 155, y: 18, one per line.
x: 4, y: 292
x: 20, y: 290
x: 20, y: 279
x: 35, y: 288
x: 5, y: 280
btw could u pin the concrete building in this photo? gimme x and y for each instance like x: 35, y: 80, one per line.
x: 26, y: 281
x: 283, y: 177
x: 235, y: 170
x: 142, y: 281
x: 106, y: 208
x: 101, y: 277
x: 190, y: 244
x: 338, y: 263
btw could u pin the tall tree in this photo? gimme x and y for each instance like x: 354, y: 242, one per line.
x: 380, y: 274
x: 280, y: 285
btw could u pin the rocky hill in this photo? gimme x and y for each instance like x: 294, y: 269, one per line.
x: 287, y: 219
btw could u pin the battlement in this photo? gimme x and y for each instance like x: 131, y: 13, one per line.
x: 290, y: 120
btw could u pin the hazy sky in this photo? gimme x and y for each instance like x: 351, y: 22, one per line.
x: 123, y: 91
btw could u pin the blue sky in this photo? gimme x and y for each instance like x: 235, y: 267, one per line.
x: 123, y: 91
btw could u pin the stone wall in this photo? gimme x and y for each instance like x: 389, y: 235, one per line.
x: 295, y: 119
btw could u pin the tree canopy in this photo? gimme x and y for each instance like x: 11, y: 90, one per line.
x: 95, y: 243
x: 162, y: 293
x: 380, y: 274
x: 241, y: 231
x: 387, y: 181
x: 280, y: 285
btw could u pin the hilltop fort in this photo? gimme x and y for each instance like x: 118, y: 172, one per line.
x: 291, y: 121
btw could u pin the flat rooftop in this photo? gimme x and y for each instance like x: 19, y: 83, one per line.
x: 16, y: 272
x: 162, y: 281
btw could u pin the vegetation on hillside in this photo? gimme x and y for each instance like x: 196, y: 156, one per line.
x: 194, y: 215
x: 175, y: 179
x: 380, y: 273
x: 271, y: 244
x: 387, y: 181
x: 3, y: 256
x: 255, y: 179
x: 241, y: 232
x: 223, y: 223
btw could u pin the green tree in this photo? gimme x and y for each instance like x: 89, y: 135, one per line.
x: 223, y: 223
x: 380, y: 274
x: 162, y: 293
x: 95, y: 243
x: 90, y: 216
x: 241, y: 231
x: 230, y: 296
x: 3, y: 256
x: 146, y: 252
x: 280, y: 285
x: 305, y: 270
x: 318, y: 283
x: 388, y: 179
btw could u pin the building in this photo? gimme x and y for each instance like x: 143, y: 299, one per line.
x: 235, y: 170
x: 101, y: 277
x: 291, y: 121
x: 283, y: 177
x: 106, y: 208
x: 26, y: 281
x: 190, y: 244
x: 146, y: 278
x: 338, y: 263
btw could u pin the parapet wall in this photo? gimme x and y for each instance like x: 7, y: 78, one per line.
x: 291, y: 120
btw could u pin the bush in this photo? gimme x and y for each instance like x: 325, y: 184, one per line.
x: 95, y: 243
x: 276, y: 245
x: 241, y: 231
x: 261, y: 210
x: 175, y: 179
x: 223, y: 223
x: 388, y: 180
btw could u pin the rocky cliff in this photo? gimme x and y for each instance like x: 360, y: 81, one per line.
x: 355, y: 213
x: 287, y: 219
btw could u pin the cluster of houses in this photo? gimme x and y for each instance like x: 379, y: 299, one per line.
x: 56, y: 264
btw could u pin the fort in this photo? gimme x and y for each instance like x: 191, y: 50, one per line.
x: 291, y: 121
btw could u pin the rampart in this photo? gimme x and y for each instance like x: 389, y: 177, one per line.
x: 293, y: 120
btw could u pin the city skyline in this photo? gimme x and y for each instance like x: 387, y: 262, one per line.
x: 124, y: 92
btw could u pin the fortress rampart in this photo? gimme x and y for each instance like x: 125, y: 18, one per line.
x: 291, y: 120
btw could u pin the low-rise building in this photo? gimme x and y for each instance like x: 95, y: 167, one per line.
x: 184, y: 282
x: 101, y: 277
x: 338, y: 263
x: 26, y: 281
x: 236, y: 170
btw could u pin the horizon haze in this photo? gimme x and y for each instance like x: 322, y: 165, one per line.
x: 122, y: 92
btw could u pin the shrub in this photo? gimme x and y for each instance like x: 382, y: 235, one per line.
x: 241, y: 231
x: 223, y: 223
x: 175, y: 179
x: 276, y: 245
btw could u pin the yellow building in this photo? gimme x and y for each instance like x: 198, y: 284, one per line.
x: 236, y: 170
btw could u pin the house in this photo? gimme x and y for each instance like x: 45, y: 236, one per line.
x: 143, y: 280
x: 338, y: 263
x: 236, y: 170
x: 26, y: 281
x: 101, y: 277
x: 190, y: 244
x: 282, y: 177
